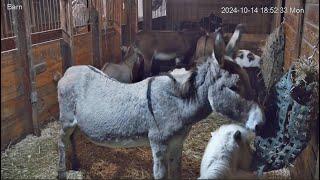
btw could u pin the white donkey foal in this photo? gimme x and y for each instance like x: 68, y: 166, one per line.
x: 228, y: 154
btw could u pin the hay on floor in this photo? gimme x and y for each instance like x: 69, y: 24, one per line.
x: 37, y: 157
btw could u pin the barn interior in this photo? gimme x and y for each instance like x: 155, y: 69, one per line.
x: 45, y: 37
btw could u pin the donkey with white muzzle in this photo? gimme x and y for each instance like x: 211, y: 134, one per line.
x: 156, y: 112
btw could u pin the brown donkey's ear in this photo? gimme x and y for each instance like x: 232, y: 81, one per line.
x: 233, y: 44
x: 219, y: 46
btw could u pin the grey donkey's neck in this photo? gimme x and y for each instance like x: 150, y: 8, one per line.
x: 192, y: 95
x: 199, y: 107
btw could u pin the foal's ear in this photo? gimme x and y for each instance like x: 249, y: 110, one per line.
x: 233, y: 44
x: 219, y: 47
x: 237, y: 136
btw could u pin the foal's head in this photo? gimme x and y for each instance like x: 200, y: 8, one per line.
x: 231, y: 93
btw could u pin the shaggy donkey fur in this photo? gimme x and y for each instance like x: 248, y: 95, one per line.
x: 114, y: 114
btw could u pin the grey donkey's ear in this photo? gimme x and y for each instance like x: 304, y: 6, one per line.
x: 219, y: 46
x: 237, y: 136
x: 233, y: 43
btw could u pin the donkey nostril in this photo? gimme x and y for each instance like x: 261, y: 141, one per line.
x: 258, y: 128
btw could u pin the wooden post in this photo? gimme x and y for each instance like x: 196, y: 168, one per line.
x: 147, y: 15
x: 300, y: 28
x: 169, y: 11
x: 117, y: 37
x: 131, y: 15
x: 96, y: 37
x: 22, y: 31
x: 133, y: 19
x: 277, y: 16
x: 67, y: 34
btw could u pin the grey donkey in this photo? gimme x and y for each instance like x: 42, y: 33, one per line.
x: 156, y: 112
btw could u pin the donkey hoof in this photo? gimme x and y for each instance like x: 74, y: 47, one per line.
x: 62, y: 175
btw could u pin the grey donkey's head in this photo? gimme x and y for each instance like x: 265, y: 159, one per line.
x: 231, y: 94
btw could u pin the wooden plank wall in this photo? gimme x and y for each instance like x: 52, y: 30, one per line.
x: 190, y: 10
x: 47, y: 56
x: 15, y: 124
x: 302, y: 32
x: 293, y: 29
x: 14, y: 118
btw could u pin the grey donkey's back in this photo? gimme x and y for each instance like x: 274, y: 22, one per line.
x: 84, y: 94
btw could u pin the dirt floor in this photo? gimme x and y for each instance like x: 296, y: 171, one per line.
x: 37, y: 157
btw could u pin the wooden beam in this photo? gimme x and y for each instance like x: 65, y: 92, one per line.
x: 277, y: 16
x: 169, y: 12
x: 117, y: 38
x: 21, y: 25
x: 133, y: 21
x: 147, y: 15
x: 96, y: 38
x: 67, y: 34
x: 300, y: 28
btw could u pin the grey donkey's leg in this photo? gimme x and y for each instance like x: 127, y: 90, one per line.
x: 159, y: 151
x: 64, y: 142
x: 175, y: 152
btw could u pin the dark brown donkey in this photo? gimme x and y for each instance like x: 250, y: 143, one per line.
x: 166, y: 45
x: 128, y: 71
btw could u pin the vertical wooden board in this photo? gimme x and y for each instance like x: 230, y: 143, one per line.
x: 133, y: 20
x: 147, y: 15
x: 12, y: 107
x: 312, y: 13
x: 15, y: 131
x: 95, y: 20
x: 22, y: 31
x: 11, y: 82
x: 48, y: 52
x: 116, y: 43
x: 7, y: 58
x: 47, y: 109
x: 47, y: 100
x: 310, y: 33
x: 67, y: 34
x: 83, y: 51
x: 47, y: 76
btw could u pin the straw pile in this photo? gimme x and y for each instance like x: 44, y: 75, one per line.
x: 37, y: 157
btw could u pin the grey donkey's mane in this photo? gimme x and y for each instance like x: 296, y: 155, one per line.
x: 186, y: 90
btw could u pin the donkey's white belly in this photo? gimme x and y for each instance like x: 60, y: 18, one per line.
x: 124, y: 143
x: 164, y: 56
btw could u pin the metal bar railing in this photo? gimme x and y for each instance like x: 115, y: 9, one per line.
x: 44, y: 16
